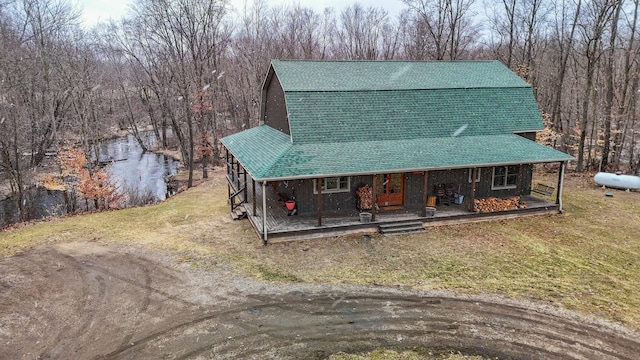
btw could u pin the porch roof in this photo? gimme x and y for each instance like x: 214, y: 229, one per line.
x: 268, y: 154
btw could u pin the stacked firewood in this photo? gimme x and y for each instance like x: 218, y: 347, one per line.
x: 494, y: 204
x: 365, y: 195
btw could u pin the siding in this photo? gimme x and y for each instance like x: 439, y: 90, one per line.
x: 529, y: 135
x: 483, y: 189
x: 413, y: 189
x: 275, y: 110
x: 460, y: 179
x: 307, y: 201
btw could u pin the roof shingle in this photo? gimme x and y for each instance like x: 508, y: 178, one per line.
x: 409, y: 114
x: 311, y: 75
x: 363, y: 117
x: 366, y: 157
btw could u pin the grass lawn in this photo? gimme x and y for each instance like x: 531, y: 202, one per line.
x: 587, y: 259
x: 414, y: 354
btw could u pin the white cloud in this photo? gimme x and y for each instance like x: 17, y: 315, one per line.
x: 95, y: 11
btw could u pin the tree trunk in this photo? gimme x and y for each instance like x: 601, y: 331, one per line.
x: 133, y: 126
x: 609, y: 74
x: 565, y: 53
x: 628, y: 98
x: 584, y: 118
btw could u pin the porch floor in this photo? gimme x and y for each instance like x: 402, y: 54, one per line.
x: 280, y: 225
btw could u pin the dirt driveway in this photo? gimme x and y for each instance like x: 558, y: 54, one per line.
x: 92, y: 301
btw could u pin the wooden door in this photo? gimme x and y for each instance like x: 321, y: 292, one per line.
x: 390, y: 189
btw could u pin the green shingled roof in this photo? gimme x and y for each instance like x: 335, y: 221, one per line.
x: 267, y: 155
x: 359, y: 117
x: 258, y: 148
x: 309, y: 75
x: 410, y: 114
x: 337, y: 101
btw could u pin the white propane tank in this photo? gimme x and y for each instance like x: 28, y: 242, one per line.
x: 617, y: 181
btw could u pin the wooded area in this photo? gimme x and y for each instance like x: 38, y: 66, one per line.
x: 196, y: 67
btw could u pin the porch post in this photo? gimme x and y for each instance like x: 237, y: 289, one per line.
x: 373, y: 198
x: 319, y: 184
x: 425, y: 182
x: 473, y: 188
x: 519, y: 188
x: 253, y: 198
x: 244, y: 175
x: 264, y: 212
x: 237, y: 173
x: 563, y: 165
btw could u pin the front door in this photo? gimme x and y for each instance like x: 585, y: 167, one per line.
x: 390, y: 189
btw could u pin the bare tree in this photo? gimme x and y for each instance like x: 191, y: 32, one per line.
x: 505, y: 27
x: 564, y: 37
x: 45, y: 27
x: 592, y: 29
x: 444, y: 27
x: 361, y: 33
x: 625, y: 113
x: 177, y: 44
x: 188, y: 67
x: 299, y: 32
x: 35, y: 99
x: 609, y: 83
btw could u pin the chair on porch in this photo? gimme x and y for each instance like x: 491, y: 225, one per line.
x: 449, y: 192
x: 441, y: 195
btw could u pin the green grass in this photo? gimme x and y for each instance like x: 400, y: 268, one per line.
x: 414, y: 354
x: 271, y: 273
x: 587, y: 259
x: 191, y: 222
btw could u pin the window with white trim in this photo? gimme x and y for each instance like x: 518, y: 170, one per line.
x: 477, y: 175
x: 333, y: 185
x: 505, y: 177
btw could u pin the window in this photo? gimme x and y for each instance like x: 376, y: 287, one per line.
x: 477, y: 175
x: 505, y: 177
x: 333, y: 184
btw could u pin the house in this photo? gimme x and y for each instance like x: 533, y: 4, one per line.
x: 412, y: 133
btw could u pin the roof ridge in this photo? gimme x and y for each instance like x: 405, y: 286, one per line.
x: 387, y: 61
x: 357, y: 75
x: 410, y: 89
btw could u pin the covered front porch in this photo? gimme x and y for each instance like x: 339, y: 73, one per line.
x: 281, y: 226
x: 332, y: 206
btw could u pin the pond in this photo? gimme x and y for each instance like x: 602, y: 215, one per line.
x: 141, y: 175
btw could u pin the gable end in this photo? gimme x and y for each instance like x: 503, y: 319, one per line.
x: 274, y: 107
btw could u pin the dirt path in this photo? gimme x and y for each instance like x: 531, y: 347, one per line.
x: 90, y: 301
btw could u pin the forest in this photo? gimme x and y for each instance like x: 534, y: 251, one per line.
x: 194, y: 68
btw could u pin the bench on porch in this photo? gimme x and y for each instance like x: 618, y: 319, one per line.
x: 543, y: 189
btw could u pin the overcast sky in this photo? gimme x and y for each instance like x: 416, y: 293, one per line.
x: 102, y: 10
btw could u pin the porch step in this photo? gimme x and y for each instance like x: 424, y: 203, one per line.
x: 239, y: 213
x: 405, y: 227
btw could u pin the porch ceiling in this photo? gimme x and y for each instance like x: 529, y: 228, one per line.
x: 269, y: 155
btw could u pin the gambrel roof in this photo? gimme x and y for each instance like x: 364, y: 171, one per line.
x: 363, y: 117
x: 309, y: 75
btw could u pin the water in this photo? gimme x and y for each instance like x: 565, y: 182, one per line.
x: 38, y: 203
x: 135, y: 171
x: 142, y: 175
